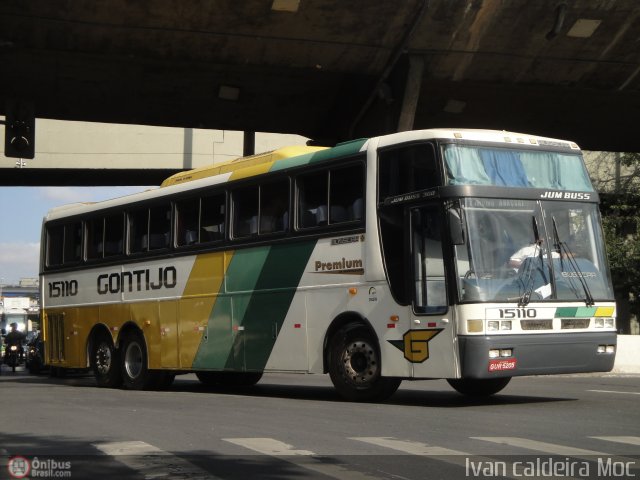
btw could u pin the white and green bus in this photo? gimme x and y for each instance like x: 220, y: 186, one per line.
x: 468, y: 255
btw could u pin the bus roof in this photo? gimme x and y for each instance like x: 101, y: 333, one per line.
x: 238, y: 163
x: 477, y: 135
x: 293, y: 156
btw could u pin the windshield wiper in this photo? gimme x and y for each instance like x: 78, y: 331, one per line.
x: 565, y: 252
x: 537, y: 250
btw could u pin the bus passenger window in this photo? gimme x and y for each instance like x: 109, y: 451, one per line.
x: 245, y: 212
x: 274, y: 207
x: 187, y: 212
x: 73, y: 243
x: 212, y: 218
x: 113, y: 235
x: 159, y: 227
x: 346, y: 194
x: 55, y: 245
x: 138, y: 231
x: 95, y: 238
x: 312, y: 199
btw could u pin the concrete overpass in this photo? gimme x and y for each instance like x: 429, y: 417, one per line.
x: 329, y: 69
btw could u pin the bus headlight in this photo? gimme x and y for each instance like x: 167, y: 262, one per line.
x: 606, y: 349
x: 475, y: 326
x: 605, y: 323
x: 495, y: 325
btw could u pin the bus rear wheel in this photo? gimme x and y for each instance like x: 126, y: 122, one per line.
x: 229, y: 379
x: 134, y: 366
x: 105, y: 362
x: 354, y: 366
x: 478, y: 387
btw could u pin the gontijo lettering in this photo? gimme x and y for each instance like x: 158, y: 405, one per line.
x: 137, y: 280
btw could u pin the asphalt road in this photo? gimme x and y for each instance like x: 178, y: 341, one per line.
x: 295, y: 426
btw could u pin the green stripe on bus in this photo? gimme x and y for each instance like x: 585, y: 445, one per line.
x: 245, y: 321
x: 341, y: 150
x: 269, y: 304
x: 579, y: 312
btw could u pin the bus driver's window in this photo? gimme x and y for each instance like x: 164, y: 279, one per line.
x: 430, y: 294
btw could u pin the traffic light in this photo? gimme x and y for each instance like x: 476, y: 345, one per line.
x: 19, y: 130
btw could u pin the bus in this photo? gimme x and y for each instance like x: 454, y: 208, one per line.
x: 467, y: 255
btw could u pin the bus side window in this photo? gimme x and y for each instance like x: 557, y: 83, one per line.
x: 187, y: 213
x: 346, y: 194
x: 274, y: 206
x: 72, y: 242
x: 114, y: 235
x: 212, y: 218
x: 312, y: 199
x: 159, y: 227
x: 407, y: 169
x: 331, y: 197
x: 55, y: 245
x: 95, y: 238
x: 138, y: 230
x: 245, y: 211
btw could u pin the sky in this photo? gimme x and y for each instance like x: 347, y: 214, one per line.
x: 22, y: 210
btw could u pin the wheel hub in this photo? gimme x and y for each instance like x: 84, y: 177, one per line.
x: 133, y: 360
x: 360, y: 363
x: 103, y: 359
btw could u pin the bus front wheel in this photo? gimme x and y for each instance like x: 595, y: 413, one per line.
x: 354, y: 366
x: 105, y: 362
x: 478, y: 387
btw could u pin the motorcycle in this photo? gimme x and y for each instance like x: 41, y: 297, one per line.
x: 13, y: 357
x: 34, y: 359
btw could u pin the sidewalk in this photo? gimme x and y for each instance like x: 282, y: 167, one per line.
x: 627, y: 354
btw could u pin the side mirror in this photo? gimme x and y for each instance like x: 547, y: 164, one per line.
x: 456, y: 228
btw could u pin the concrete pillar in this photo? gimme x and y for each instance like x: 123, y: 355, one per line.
x: 411, y: 93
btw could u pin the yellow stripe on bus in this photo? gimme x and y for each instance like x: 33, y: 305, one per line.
x: 604, y: 312
x: 196, y: 305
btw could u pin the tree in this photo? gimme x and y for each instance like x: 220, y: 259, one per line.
x: 617, y: 177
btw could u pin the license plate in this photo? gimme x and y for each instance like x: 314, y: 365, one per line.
x: 502, y: 365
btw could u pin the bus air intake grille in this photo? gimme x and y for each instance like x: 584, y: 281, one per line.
x: 536, y: 324
x: 568, y: 323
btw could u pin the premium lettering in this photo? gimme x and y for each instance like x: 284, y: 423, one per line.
x: 340, y: 266
x: 137, y: 280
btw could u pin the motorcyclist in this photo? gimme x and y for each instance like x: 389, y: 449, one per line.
x: 14, y: 337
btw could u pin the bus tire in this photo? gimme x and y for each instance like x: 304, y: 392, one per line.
x: 355, y: 368
x: 104, y: 362
x: 229, y: 379
x: 133, y: 363
x: 478, y: 387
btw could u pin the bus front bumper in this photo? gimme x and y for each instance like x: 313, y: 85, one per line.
x: 539, y: 354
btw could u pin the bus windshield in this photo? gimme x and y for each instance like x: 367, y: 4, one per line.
x: 472, y: 165
x: 525, y: 250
